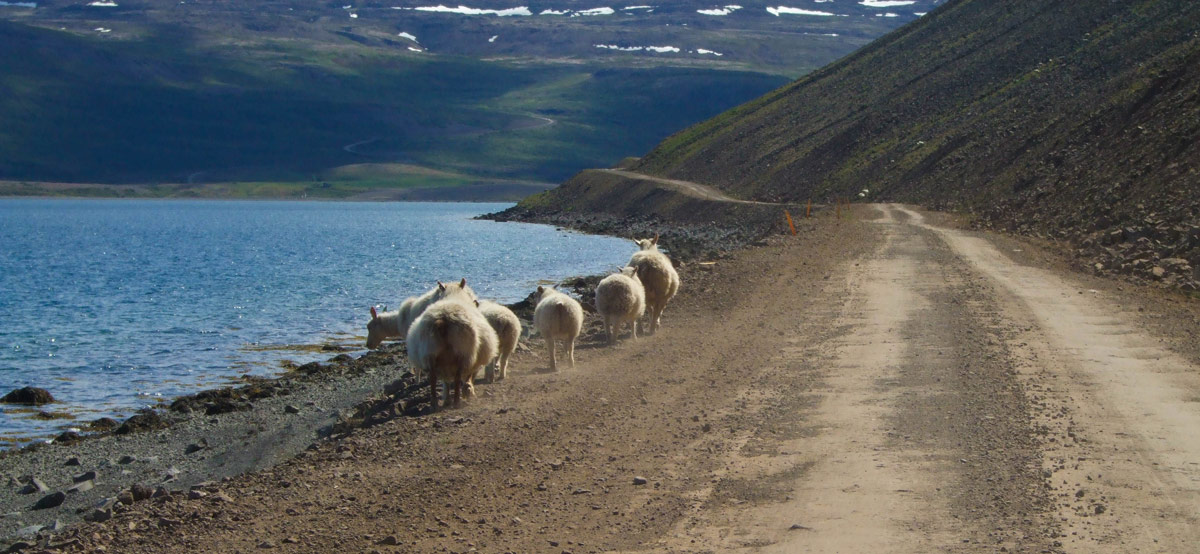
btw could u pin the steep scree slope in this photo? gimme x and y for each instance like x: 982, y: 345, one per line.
x: 1066, y: 120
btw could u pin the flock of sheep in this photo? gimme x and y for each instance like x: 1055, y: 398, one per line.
x: 451, y: 334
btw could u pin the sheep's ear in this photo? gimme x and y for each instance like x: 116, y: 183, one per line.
x: 441, y: 287
x: 374, y: 315
x: 541, y: 289
x: 463, y: 283
x: 476, y: 303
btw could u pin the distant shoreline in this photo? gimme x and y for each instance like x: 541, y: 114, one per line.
x: 484, y: 191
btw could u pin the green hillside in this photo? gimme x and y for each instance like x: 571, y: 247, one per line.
x: 168, y: 107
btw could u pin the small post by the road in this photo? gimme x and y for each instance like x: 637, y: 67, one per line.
x: 790, y: 224
x: 808, y: 211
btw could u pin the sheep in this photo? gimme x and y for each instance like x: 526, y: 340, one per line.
x: 658, y: 277
x: 620, y: 298
x: 451, y: 341
x: 557, y: 316
x: 396, y: 323
x: 508, y: 329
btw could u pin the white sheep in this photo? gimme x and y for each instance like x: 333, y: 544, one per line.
x: 620, y: 298
x: 396, y: 323
x: 658, y: 276
x: 508, y: 329
x: 451, y: 341
x: 557, y: 316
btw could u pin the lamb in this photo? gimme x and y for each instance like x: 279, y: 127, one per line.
x: 508, y: 329
x: 557, y: 316
x: 396, y: 323
x: 451, y: 341
x: 658, y: 276
x: 620, y: 298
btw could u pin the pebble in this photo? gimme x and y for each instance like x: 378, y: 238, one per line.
x: 85, y: 476
x: 34, y: 485
x: 291, y: 409
x: 72, y: 461
x: 638, y: 480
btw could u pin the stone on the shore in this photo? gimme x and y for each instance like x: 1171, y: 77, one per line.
x: 147, y: 420
x: 34, y: 485
x: 389, y: 540
x: 141, y: 492
x: 67, y: 438
x: 192, y: 448
x: 125, y: 497
x: 31, y: 396
x: 102, y: 510
x: 638, y: 480
x: 72, y: 461
x: 50, y: 501
x: 82, y: 486
x: 126, y: 460
x: 85, y: 476
x: 291, y: 409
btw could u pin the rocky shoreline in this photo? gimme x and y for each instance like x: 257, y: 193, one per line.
x: 200, y: 440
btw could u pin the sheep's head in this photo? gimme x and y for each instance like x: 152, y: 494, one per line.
x: 374, y: 330
x: 629, y: 271
x: 647, y: 244
x: 458, y: 290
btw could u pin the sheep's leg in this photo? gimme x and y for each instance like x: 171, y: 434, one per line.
x: 469, y: 389
x: 610, y: 334
x: 550, y: 346
x: 571, y: 350
x: 433, y: 392
x: 633, y: 329
x: 458, y: 388
x: 489, y: 372
x: 503, y: 363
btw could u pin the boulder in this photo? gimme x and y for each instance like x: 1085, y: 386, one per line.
x: 31, y: 396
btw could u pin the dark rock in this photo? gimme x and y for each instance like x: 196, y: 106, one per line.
x: 72, y: 461
x: 639, y: 480
x: 192, y: 448
x: 19, y: 546
x: 389, y: 540
x: 31, y: 396
x: 67, y: 438
x: 85, y: 476
x: 147, y: 420
x: 141, y: 492
x: 104, y: 424
x: 125, y: 497
x: 50, y: 501
x: 291, y: 409
x: 126, y: 460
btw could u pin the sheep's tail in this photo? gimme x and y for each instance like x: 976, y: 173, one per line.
x: 563, y: 314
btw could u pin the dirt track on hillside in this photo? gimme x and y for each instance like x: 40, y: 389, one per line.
x: 872, y: 385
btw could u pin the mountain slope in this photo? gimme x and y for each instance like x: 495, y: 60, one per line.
x: 1073, y: 120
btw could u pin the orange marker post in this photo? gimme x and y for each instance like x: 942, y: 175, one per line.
x: 790, y: 224
x: 808, y: 211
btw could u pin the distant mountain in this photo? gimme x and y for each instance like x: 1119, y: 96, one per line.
x: 287, y: 92
x: 1069, y: 120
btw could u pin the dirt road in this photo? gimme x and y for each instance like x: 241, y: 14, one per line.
x: 876, y: 385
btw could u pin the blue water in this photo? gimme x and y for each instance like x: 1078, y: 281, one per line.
x: 112, y: 305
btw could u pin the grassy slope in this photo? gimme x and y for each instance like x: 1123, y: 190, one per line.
x: 1060, y: 117
x: 163, y: 107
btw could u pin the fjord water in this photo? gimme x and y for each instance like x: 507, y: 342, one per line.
x: 112, y: 305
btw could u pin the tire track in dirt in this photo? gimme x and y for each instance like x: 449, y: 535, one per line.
x: 1118, y: 411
